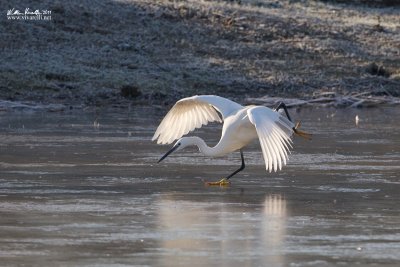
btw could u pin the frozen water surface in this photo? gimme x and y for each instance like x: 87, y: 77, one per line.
x: 84, y: 189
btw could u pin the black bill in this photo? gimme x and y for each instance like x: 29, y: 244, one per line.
x: 169, y: 152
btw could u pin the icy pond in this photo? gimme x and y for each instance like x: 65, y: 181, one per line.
x: 83, y: 188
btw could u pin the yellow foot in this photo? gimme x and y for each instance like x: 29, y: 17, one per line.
x: 305, y: 135
x: 222, y: 182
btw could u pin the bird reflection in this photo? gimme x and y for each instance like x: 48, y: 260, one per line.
x: 275, y: 206
x: 274, y: 228
x: 202, y: 233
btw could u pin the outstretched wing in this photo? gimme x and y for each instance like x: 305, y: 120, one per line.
x: 191, y: 113
x: 274, y: 132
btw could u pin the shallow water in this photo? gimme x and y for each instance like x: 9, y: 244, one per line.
x: 84, y: 189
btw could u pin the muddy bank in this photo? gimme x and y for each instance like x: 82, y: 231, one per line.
x: 154, y: 52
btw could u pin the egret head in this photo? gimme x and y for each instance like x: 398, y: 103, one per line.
x: 180, y: 144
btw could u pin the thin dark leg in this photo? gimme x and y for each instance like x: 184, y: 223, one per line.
x: 296, y: 127
x: 282, y: 105
x: 241, y: 167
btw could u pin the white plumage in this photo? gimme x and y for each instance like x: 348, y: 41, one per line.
x: 241, y: 126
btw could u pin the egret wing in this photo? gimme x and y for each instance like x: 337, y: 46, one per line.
x: 224, y: 106
x: 191, y: 113
x: 274, y: 132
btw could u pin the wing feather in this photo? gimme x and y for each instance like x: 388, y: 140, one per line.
x: 276, y: 143
x: 274, y: 132
x: 270, y: 154
x: 281, y: 148
x: 190, y: 113
x: 285, y: 137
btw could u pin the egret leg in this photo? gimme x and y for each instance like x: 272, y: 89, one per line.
x: 225, y: 181
x: 241, y: 167
x: 283, y: 105
x: 297, y: 126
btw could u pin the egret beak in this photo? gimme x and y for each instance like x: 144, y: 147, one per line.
x: 169, y: 152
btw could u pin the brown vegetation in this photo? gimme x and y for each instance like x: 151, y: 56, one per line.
x: 102, y: 52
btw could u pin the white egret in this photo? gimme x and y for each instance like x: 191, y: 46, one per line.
x: 241, y: 125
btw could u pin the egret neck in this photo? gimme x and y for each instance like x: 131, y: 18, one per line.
x: 203, y: 147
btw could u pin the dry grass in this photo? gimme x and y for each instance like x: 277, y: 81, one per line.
x: 170, y: 49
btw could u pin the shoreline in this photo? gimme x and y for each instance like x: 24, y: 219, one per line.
x: 321, y: 100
